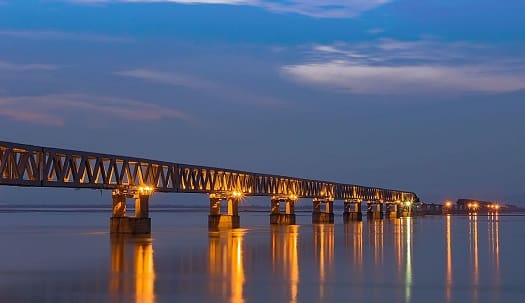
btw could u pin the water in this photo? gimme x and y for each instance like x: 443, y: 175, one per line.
x: 70, y: 257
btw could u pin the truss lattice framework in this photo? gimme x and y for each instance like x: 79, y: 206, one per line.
x: 26, y: 165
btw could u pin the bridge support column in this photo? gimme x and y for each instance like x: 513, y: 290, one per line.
x: 122, y: 224
x: 142, y: 206
x: 374, y: 210
x: 277, y: 216
x: 218, y: 220
x: 323, y: 216
x: 405, y: 210
x: 392, y: 211
x: 119, y: 205
x: 352, y: 211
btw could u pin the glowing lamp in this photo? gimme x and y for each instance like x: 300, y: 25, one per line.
x: 145, y: 189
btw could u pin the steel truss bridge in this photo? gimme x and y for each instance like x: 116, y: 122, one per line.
x: 39, y: 166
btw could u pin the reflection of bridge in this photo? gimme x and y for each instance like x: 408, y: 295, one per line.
x: 301, y: 263
x: 36, y: 166
x: 235, y: 260
x: 140, y: 269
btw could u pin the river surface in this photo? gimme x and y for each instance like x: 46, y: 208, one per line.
x: 70, y: 257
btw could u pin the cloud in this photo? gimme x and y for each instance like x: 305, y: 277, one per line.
x: 401, y: 67
x: 175, y: 79
x: 56, y: 109
x: 220, y: 90
x: 8, y: 66
x: 60, y: 35
x: 323, y: 8
x: 375, y: 31
x: 30, y: 116
x: 313, y: 8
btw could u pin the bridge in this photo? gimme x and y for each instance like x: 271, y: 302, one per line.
x: 138, y: 178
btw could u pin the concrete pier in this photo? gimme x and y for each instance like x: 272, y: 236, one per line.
x: 323, y: 216
x: 230, y: 219
x: 405, y: 210
x: 392, y: 211
x: 374, y: 210
x: 130, y: 225
x: 139, y: 224
x: 352, y: 211
x: 280, y: 216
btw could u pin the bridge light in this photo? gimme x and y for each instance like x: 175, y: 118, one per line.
x: 496, y: 206
x: 407, y: 203
x: 145, y: 189
x: 293, y: 197
x: 448, y: 204
x: 237, y: 194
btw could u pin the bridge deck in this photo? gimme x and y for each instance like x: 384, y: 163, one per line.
x: 38, y: 166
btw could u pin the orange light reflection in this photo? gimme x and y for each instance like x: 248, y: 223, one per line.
x: 285, y: 255
x: 324, y: 252
x: 226, y: 264
x: 143, y: 268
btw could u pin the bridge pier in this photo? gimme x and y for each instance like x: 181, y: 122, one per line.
x: 120, y: 223
x: 405, y: 210
x: 352, y: 211
x: 277, y: 216
x: 374, y: 210
x: 393, y: 211
x: 228, y: 220
x: 320, y: 216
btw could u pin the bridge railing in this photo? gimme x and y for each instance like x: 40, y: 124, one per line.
x: 27, y: 165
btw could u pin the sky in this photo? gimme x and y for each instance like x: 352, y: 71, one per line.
x: 424, y: 96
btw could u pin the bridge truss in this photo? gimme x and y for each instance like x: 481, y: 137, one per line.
x: 37, y: 166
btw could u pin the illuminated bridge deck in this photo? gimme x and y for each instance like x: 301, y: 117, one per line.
x: 39, y: 166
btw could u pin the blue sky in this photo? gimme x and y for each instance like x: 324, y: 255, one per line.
x: 419, y: 95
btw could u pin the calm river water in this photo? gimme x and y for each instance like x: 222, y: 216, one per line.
x: 70, y: 257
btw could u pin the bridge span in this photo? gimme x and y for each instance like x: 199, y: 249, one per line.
x: 128, y: 177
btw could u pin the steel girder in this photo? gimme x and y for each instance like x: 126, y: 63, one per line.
x: 27, y: 165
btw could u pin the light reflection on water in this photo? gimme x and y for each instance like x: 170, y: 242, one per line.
x: 324, y: 254
x: 139, y: 265
x: 474, y: 252
x: 285, y: 256
x: 448, y: 244
x: 435, y: 259
x: 226, y: 264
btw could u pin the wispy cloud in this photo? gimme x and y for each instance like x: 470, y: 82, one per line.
x: 313, y: 8
x: 323, y: 8
x: 170, y: 78
x: 61, y: 35
x: 203, y: 86
x: 9, y: 66
x: 55, y: 110
x: 375, y: 31
x: 401, y: 67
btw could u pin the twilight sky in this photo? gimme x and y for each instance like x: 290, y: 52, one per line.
x: 426, y: 96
